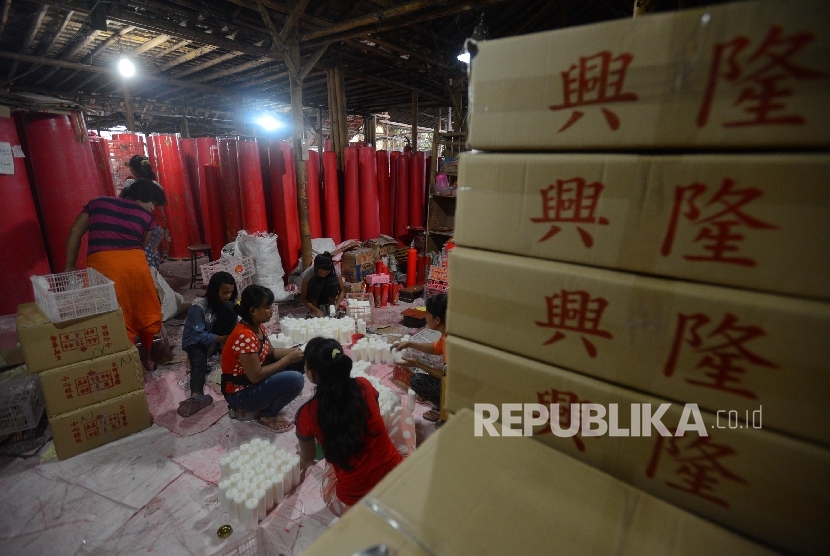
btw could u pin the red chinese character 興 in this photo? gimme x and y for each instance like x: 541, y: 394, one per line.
x: 695, y: 459
x: 597, y: 79
x: 760, y: 77
x: 571, y: 202
x: 722, y: 350
x: 575, y: 311
x: 718, y: 218
x: 565, y: 400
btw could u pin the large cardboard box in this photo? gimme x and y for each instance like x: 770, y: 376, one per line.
x: 754, y: 221
x: 357, y: 263
x: 47, y: 345
x: 72, y: 386
x: 755, y: 481
x: 464, y: 495
x: 718, y: 347
x: 98, y: 424
x: 748, y: 74
x: 382, y: 245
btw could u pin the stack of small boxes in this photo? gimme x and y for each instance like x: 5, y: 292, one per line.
x: 91, y: 375
x: 633, y: 280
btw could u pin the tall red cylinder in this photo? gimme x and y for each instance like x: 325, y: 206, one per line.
x: 369, y: 207
x: 254, y: 218
x: 411, y: 267
x: 284, y: 199
x: 402, y: 199
x: 206, y: 150
x: 180, y: 212
x: 416, y: 190
x: 351, y: 194
x: 393, y: 189
x: 331, y: 197
x: 231, y: 197
x: 65, y: 177
x: 190, y: 156
x: 213, y: 190
x: 100, y: 152
x: 384, y: 193
x: 151, y: 150
x: 312, y: 170
x: 19, y: 226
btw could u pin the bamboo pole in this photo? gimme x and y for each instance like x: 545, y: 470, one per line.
x: 414, y: 137
x: 300, y: 153
x: 128, y: 106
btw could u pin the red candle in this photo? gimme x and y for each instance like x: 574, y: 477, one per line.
x: 384, y: 296
x: 411, y: 267
x: 378, y: 267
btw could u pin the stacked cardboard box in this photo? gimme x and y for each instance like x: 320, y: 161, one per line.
x: 463, y: 495
x: 91, y: 375
x: 659, y: 280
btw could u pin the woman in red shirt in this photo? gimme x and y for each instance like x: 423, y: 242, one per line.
x: 248, y: 383
x: 344, y: 417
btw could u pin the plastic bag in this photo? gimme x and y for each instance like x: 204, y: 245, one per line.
x: 262, y: 249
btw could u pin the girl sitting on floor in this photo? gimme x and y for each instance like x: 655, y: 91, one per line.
x: 344, y: 417
x: 248, y: 383
x: 209, y: 321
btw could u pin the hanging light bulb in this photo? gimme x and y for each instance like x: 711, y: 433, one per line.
x: 479, y: 34
x: 126, y: 67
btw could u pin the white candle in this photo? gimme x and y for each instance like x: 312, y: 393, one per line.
x: 239, y: 504
x: 332, y: 310
x: 235, y: 478
x: 279, y: 488
x: 234, y: 467
x: 259, y: 495
x: 242, y: 485
x: 361, y: 326
x: 410, y: 400
x: 287, y: 478
x: 260, y: 470
x: 224, y: 486
x: 245, y: 447
x: 251, y: 514
x: 295, y: 470
x: 248, y: 474
x: 230, y: 497
x: 250, y: 488
x: 225, y: 466
x: 255, y: 441
x: 378, y: 354
x: 270, y: 473
x: 268, y: 486
x: 235, y: 453
x: 244, y: 458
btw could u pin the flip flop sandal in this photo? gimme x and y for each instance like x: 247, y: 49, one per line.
x: 194, y: 405
x: 432, y: 416
x: 278, y: 426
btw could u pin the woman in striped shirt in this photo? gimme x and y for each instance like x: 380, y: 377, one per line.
x: 119, y: 227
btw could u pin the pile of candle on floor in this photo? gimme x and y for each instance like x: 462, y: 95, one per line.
x: 375, y: 350
x: 388, y: 400
x: 299, y: 331
x: 255, y: 478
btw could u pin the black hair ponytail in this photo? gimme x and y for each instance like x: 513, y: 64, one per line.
x: 342, y: 411
x: 216, y: 282
x: 252, y: 297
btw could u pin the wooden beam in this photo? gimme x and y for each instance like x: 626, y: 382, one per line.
x: 209, y: 63
x: 107, y: 43
x: 44, y: 50
x: 89, y: 79
x: 291, y: 21
x: 278, y: 42
x: 313, y: 59
x: 128, y: 106
x: 236, y: 69
x: 104, y: 70
x: 149, y: 45
x: 396, y: 85
x: 187, y: 57
x: 370, y: 19
x: 69, y: 51
x: 410, y: 53
x: 175, y: 47
x: 34, y: 27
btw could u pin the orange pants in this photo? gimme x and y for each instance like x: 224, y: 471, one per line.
x: 134, y: 288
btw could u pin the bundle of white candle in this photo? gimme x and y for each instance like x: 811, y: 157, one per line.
x: 374, y: 350
x: 255, y: 478
x: 388, y: 400
x: 300, y: 331
x: 359, y: 309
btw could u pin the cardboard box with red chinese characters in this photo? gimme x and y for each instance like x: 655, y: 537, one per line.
x: 715, y: 346
x: 72, y: 386
x: 101, y: 423
x: 753, y: 221
x: 47, y: 345
x: 738, y: 75
x: 758, y: 482
x: 463, y: 495
x: 357, y: 263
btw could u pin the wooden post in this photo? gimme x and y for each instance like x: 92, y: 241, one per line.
x: 238, y: 114
x: 128, y: 106
x: 300, y: 151
x: 342, y: 114
x: 320, y: 140
x: 185, y: 128
x: 414, y: 138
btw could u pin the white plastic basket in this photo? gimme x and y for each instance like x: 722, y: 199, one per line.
x: 241, y: 268
x: 21, y: 401
x: 76, y: 294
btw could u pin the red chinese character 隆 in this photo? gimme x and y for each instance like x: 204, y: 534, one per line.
x: 565, y: 400
x: 597, y: 79
x: 760, y: 76
x: 722, y: 350
x: 575, y: 311
x: 571, y: 202
x: 696, y: 465
x: 718, y: 217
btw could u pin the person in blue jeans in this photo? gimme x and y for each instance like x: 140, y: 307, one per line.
x: 248, y: 382
x: 209, y: 321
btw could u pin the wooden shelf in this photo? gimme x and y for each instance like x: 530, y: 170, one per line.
x: 441, y: 208
x: 448, y: 233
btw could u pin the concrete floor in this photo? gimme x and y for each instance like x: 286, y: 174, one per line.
x: 155, y: 491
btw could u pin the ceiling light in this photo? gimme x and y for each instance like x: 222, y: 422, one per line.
x: 269, y: 122
x: 126, y: 67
